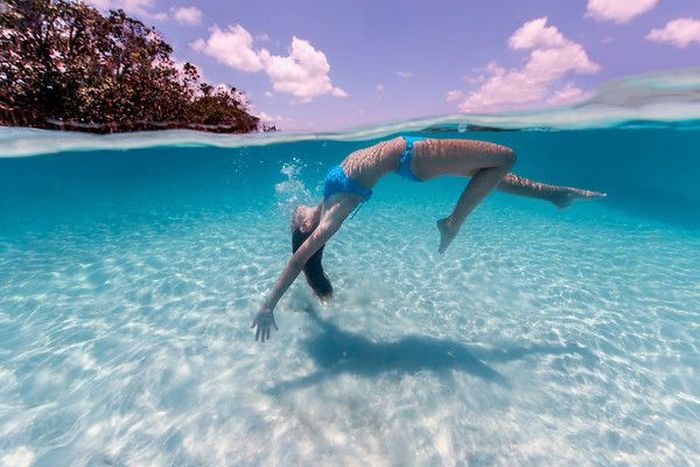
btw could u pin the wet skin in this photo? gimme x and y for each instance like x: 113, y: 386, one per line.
x: 488, y: 166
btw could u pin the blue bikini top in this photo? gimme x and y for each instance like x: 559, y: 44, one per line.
x: 338, y: 182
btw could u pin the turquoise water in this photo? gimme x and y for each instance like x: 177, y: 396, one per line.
x: 128, y: 280
x: 131, y: 266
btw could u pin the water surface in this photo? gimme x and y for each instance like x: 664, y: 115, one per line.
x: 131, y: 266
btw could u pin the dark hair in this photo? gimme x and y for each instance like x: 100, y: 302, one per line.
x: 313, y: 269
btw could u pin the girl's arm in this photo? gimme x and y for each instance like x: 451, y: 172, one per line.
x: 323, y: 232
x: 331, y: 220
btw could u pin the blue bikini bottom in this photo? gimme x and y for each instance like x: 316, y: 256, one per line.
x: 405, y: 164
x: 337, y: 181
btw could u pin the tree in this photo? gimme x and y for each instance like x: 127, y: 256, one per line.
x: 65, y: 65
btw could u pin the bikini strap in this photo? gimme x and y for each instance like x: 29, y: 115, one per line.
x: 356, y: 209
x: 410, y: 140
x: 404, y: 168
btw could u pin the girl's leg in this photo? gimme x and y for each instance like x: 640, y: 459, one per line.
x: 481, y: 184
x: 560, y: 196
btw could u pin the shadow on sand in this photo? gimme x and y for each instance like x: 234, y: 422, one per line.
x: 335, y: 351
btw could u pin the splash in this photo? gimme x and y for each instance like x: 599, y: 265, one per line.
x: 292, y: 191
x: 669, y: 99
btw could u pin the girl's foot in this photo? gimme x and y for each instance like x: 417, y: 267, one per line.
x: 563, y: 199
x: 447, y: 233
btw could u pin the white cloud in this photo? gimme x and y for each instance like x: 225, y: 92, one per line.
x: 536, y: 34
x: 567, y: 95
x: 269, y: 94
x: 380, y: 87
x: 403, y: 74
x: 680, y: 32
x: 189, y: 15
x: 232, y: 47
x: 303, y: 73
x: 263, y: 116
x: 270, y: 118
x: 454, y: 95
x: 142, y: 8
x: 618, y: 11
x: 552, y: 57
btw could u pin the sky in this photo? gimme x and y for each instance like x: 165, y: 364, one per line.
x: 335, y: 64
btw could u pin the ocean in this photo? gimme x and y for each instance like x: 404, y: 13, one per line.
x: 131, y: 267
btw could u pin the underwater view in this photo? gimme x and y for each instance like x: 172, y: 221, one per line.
x: 131, y: 267
x: 214, y: 252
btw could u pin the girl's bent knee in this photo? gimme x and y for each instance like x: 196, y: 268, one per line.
x: 509, y: 157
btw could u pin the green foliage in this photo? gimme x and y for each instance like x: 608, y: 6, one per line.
x: 64, y: 64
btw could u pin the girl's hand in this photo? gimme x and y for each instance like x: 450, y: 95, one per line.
x: 263, y: 323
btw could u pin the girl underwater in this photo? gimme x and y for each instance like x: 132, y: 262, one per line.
x: 415, y: 158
